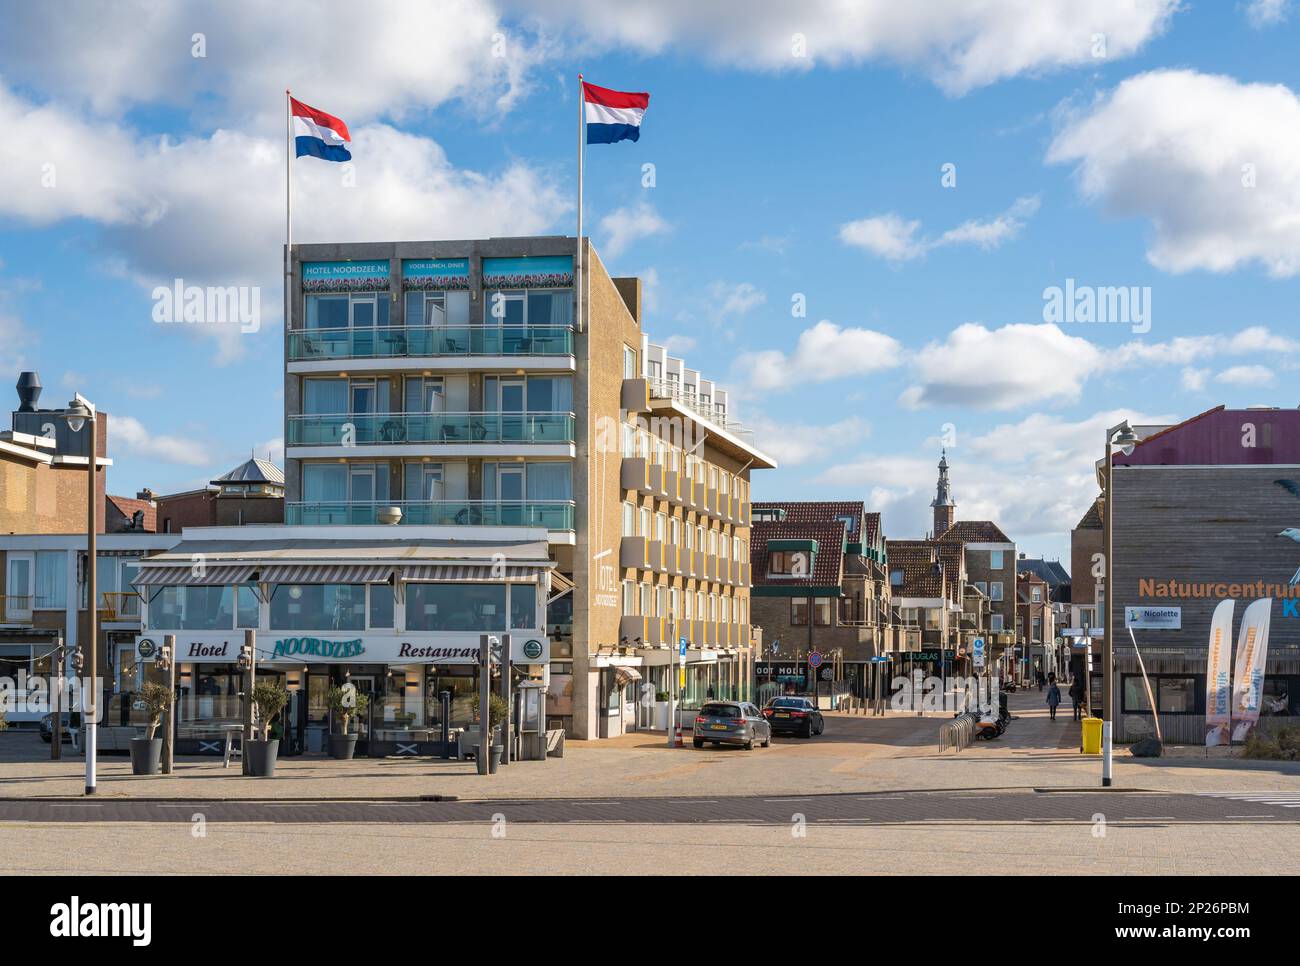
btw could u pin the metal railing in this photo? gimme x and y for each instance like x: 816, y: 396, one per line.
x: 378, y: 428
x: 115, y: 606
x: 551, y: 514
x: 416, y: 341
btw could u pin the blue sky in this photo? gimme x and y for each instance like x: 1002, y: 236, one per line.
x: 1168, y: 162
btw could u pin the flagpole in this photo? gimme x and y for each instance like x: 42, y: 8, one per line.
x: 577, y: 265
x: 288, y: 205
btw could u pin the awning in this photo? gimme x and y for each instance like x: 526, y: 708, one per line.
x: 186, y: 576
x: 473, y: 574
x: 622, y: 675
x: 325, y: 573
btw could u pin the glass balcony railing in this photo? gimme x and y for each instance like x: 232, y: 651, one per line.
x: 551, y: 514
x: 414, y: 341
x: 379, y: 428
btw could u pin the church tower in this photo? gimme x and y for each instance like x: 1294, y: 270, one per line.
x: 945, y: 510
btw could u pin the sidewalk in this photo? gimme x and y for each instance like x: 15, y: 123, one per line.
x: 857, y: 754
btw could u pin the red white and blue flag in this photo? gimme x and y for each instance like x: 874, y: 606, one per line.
x: 318, y: 134
x: 613, y: 115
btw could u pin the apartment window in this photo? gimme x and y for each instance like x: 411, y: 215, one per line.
x: 789, y: 563
x: 995, y: 590
x: 896, y: 578
x: 995, y: 622
x: 422, y: 481
x: 850, y: 524
x: 342, y: 310
x: 982, y: 587
x: 799, y: 611
x: 660, y: 520
x: 689, y: 599
x: 629, y: 520
x: 647, y: 601
x: 1036, y: 595
x: 437, y: 308
x: 645, y: 523
x: 629, y: 362
x: 674, y: 531
x: 932, y: 618
x: 822, y: 611
x: 995, y: 559
x: 51, y: 580
x: 661, y: 602
x: 1037, y: 625
x: 528, y: 307
x: 629, y: 598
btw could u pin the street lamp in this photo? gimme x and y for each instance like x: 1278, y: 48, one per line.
x: 1123, y: 438
x: 81, y: 412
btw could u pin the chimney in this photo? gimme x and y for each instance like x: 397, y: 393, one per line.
x: 29, y: 391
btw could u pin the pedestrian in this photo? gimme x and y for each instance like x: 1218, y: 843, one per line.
x: 1040, y: 679
x: 709, y: 694
x: 1076, y: 695
x: 1053, y: 696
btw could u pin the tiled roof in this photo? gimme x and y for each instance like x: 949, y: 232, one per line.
x: 827, y: 562
x: 871, y: 529
x: 1092, y: 519
x: 1049, y: 570
x: 975, y: 531
x: 819, y: 511
x: 127, y: 506
x: 915, y: 558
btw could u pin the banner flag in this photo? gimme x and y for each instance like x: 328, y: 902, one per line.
x: 1218, y: 680
x: 1248, y: 679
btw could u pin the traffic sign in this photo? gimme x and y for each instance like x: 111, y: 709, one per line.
x: 814, y: 658
x: 977, y: 649
x: 681, y: 647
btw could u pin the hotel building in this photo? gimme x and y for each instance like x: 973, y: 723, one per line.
x: 466, y: 452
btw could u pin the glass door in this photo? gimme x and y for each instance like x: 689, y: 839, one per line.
x: 510, y: 494
x: 511, y: 406
x: 18, y: 600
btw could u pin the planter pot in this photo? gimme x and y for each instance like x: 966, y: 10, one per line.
x: 146, y: 756
x: 494, y: 758
x: 343, y: 747
x: 261, y: 757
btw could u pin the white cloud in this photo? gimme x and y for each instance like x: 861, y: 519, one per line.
x: 210, y: 209
x: 1184, y: 350
x: 727, y: 300
x: 824, y: 352
x: 624, y: 226
x: 957, y: 44
x: 891, y: 237
x: 677, y: 344
x: 1266, y: 13
x: 1193, y: 380
x: 1246, y: 376
x: 795, y: 443
x: 1016, y: 365
x: 357, y: 61
x: 1212, y: 163
x: 130, y: 435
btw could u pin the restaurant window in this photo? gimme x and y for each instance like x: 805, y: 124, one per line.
x: 455, y: 607
x: 247, y: 606
x: 799, y: 611
x: 523, y: 607
x: 318, y: 607
x: 822, y: 611
x: 381, y: 606
x: 192, y: 608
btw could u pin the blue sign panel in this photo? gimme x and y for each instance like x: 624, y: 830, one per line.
x: 369, y: 276
x: 539, y: 271
x: 435, y: 274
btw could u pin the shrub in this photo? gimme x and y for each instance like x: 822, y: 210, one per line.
x: 157, y: 698
x: 269, y: 700
x: 347, y: 701
x: 497, y: 709
x: 1283, y: 744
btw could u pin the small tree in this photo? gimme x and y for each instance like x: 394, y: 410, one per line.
x: 497, y: 709
x: 156, y: 698
x: 347, y: 701
x: 269, y: 700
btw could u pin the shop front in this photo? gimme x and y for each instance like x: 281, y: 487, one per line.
x: 399, y: 623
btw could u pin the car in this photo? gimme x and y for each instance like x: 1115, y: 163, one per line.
x: 70, y: 721
x: 731, y: 723
x: 795, y: 716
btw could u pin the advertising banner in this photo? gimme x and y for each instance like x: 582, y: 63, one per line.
x: 1248, y: 679
x: 1218, y: 681
x: 368, y: 276
x: 435, y: 274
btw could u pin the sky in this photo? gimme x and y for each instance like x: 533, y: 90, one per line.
x: 880, y: 225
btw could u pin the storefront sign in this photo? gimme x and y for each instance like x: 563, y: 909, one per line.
x: 526, y: 647
x: 1154, y: 618
x: 542, y: 271
x: 435, y: 274
x: 344, y: 276
x: 306, y: 648
x: 146, y: 648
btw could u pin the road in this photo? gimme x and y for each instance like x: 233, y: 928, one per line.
x: 974, y: 805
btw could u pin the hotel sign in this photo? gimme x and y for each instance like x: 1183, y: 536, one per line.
x: 527, y: 646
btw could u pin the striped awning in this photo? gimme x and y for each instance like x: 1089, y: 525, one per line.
x: 624, y: 674
x: 473, y: 573
x: 325, y: 573
x: 191, y: 575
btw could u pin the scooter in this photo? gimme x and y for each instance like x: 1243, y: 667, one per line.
x: 992, y: 724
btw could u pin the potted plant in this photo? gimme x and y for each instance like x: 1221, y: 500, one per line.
x: 497, y: 710
x: 146, y: 752
x: 661, y: 710
x: 268, y: 701
x: 345, y: 703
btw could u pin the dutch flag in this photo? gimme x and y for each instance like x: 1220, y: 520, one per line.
x: 613, y: 115
x: 318, y: 134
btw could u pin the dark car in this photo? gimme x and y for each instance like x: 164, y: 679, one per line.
x: 731, y: 723
x: 794, y: 716
x: 70, y: 719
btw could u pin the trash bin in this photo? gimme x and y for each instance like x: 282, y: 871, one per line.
x: 1090, y: 744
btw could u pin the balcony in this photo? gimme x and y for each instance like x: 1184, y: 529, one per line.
x: 119, y: 606
x: 430, y: 428
x: 425, y: 341
x: 551, y: 514
x: 15, y: 608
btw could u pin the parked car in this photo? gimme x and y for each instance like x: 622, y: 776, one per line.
x: 731, y: 723
x: 794, y: 716
x: 70, y: 718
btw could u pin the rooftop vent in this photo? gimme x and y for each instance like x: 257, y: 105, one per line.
x: 29, y: 391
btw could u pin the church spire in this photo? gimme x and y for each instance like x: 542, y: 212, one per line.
x: 945, y: 509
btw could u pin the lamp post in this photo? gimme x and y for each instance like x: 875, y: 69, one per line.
x: 81, y: 413
x: 1123, y: 437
